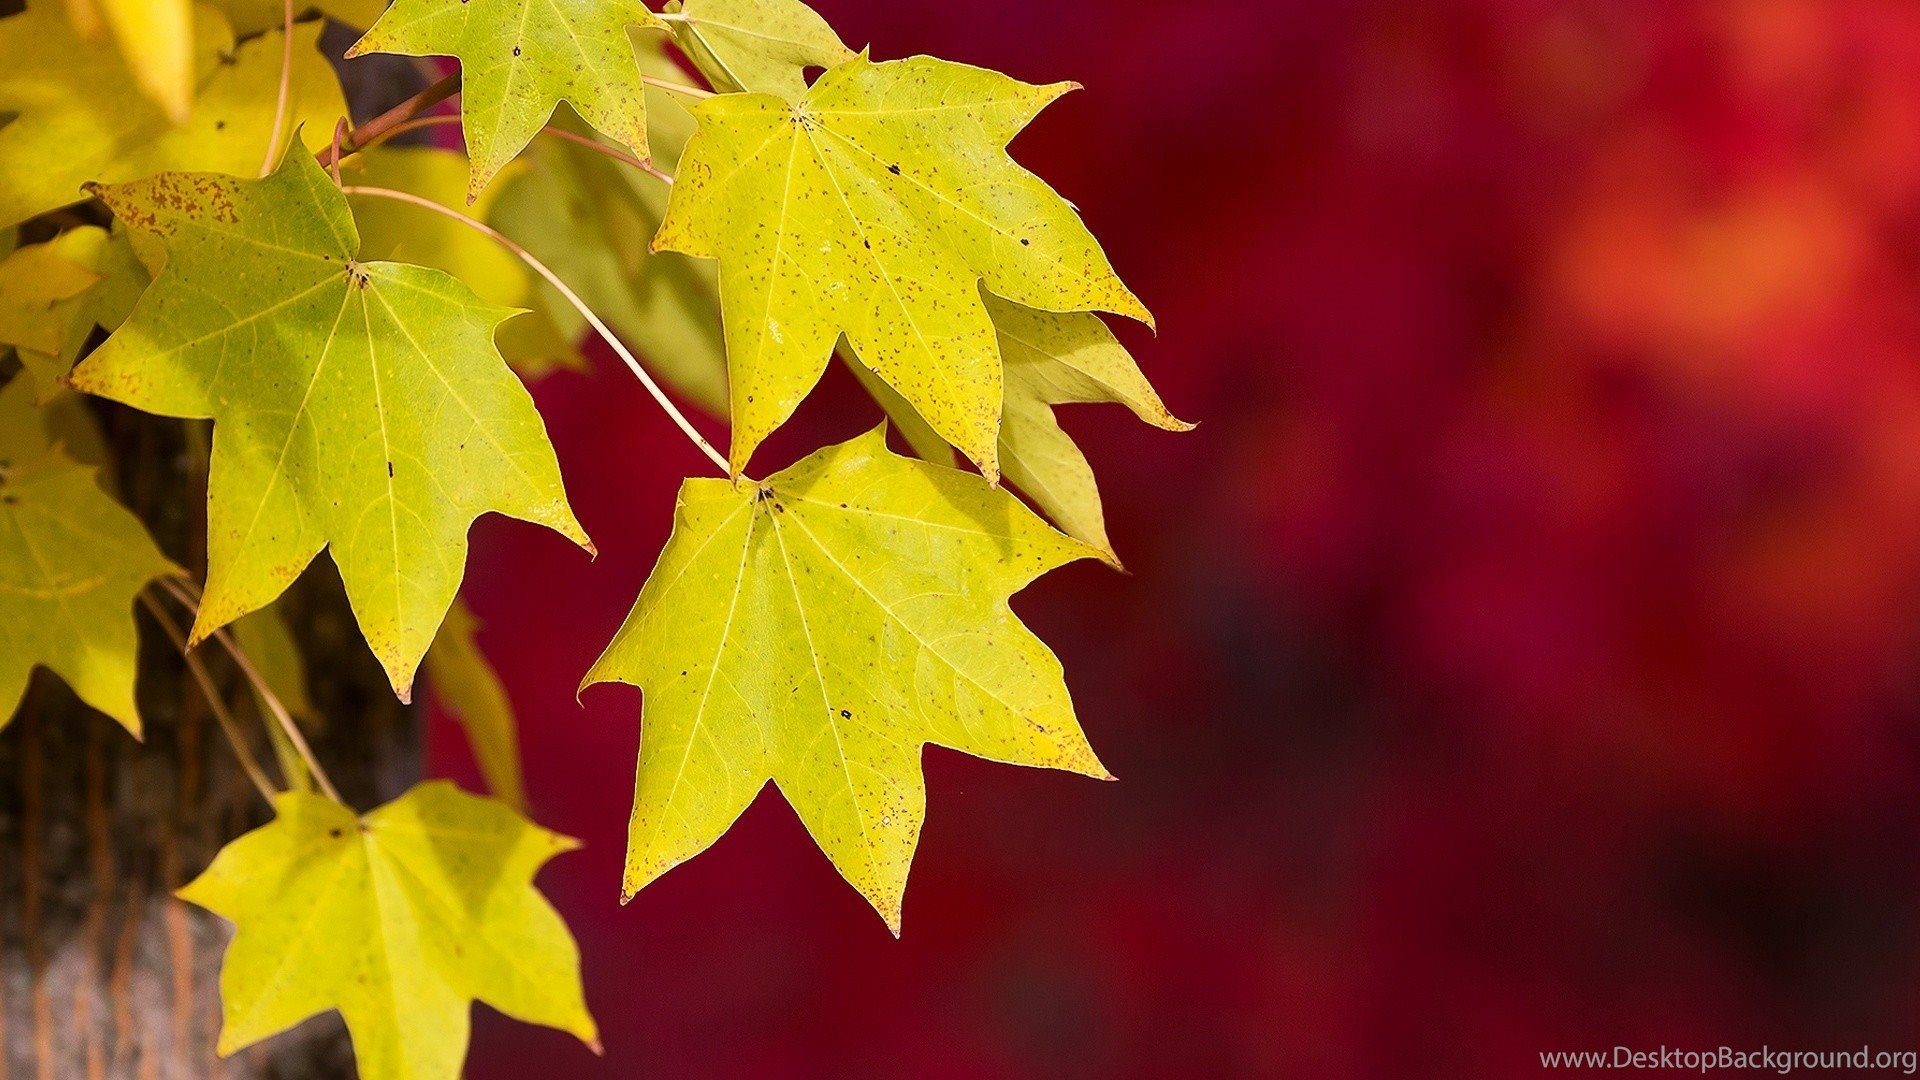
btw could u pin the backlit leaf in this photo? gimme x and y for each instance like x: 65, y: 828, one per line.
x: 357, y: 405
x: 818, y: 629
x: 82, y: 118
x: 926, y: 442
x: 877, y: 206
x: 521, y: 58
x: 760, y: 46
x: 400, y: 920
x: 71, y: 562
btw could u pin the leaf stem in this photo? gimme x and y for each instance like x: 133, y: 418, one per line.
x: 440, y: 119
x: 673, y: 411
x: 405, y: 126
x: 615, y: 153
x: 676, y: 88
x: 373, y: 129
x: 340, y: 129
x: 259, y: 683
x: 281, y: 100
x: 215, y: 701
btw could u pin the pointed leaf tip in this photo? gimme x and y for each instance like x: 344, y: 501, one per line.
x: 288, y: 244
x: 753, y: 184
x: 511, y: 83
x: 764, y: 613
x: 302, y: 891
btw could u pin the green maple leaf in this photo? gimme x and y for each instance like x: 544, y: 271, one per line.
x: 589, y: 218
x: 356, y: 405
x: 400, y: 920
x: 877, y: 205
x: 818, y: 629
x: 46, y: 318
x: 519, y: 59
x: 82, y: 117
x: 71, y: 562
x: 759, y: 46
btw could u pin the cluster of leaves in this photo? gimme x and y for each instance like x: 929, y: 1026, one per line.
x: 350, y: 337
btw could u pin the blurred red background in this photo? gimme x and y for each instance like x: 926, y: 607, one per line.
x: 1519, y: 657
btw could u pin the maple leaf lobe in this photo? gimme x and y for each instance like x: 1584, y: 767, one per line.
x: 815, y: 630
x: 370, y: 412
x: 878, y: 206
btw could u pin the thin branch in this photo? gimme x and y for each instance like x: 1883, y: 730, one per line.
x: 212, y: 693
x: 399, y: 114
x: 440, y: 119
x: 633, y: 364
x: 340, y: 128
x: 613, y: 152
x: 405, y: 126
x: 280, y: 102
x: 676, y: 88
x: 664, y: 177
x: 259, y: 683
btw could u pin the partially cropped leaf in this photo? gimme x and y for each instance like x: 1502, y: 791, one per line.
x: 253, y: 16
x: 818, y: 629
x: 357, y: 405
x: 400, y: 920
x: 760, y: 46
x: 82, y: 118
x: 519, y: 59
x: 394, y: 230
x: 48, y: 322
x: 465, y: 684
x: 877, y: 206
x: 71, y: 562
x: 589, y: 218
x: 155, y: 37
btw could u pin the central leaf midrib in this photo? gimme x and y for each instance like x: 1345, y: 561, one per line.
x: 886, y: 275
x: 820, y: 679
x: 720, y: 648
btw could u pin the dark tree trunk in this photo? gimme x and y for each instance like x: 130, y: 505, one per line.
x: 103, y: 974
